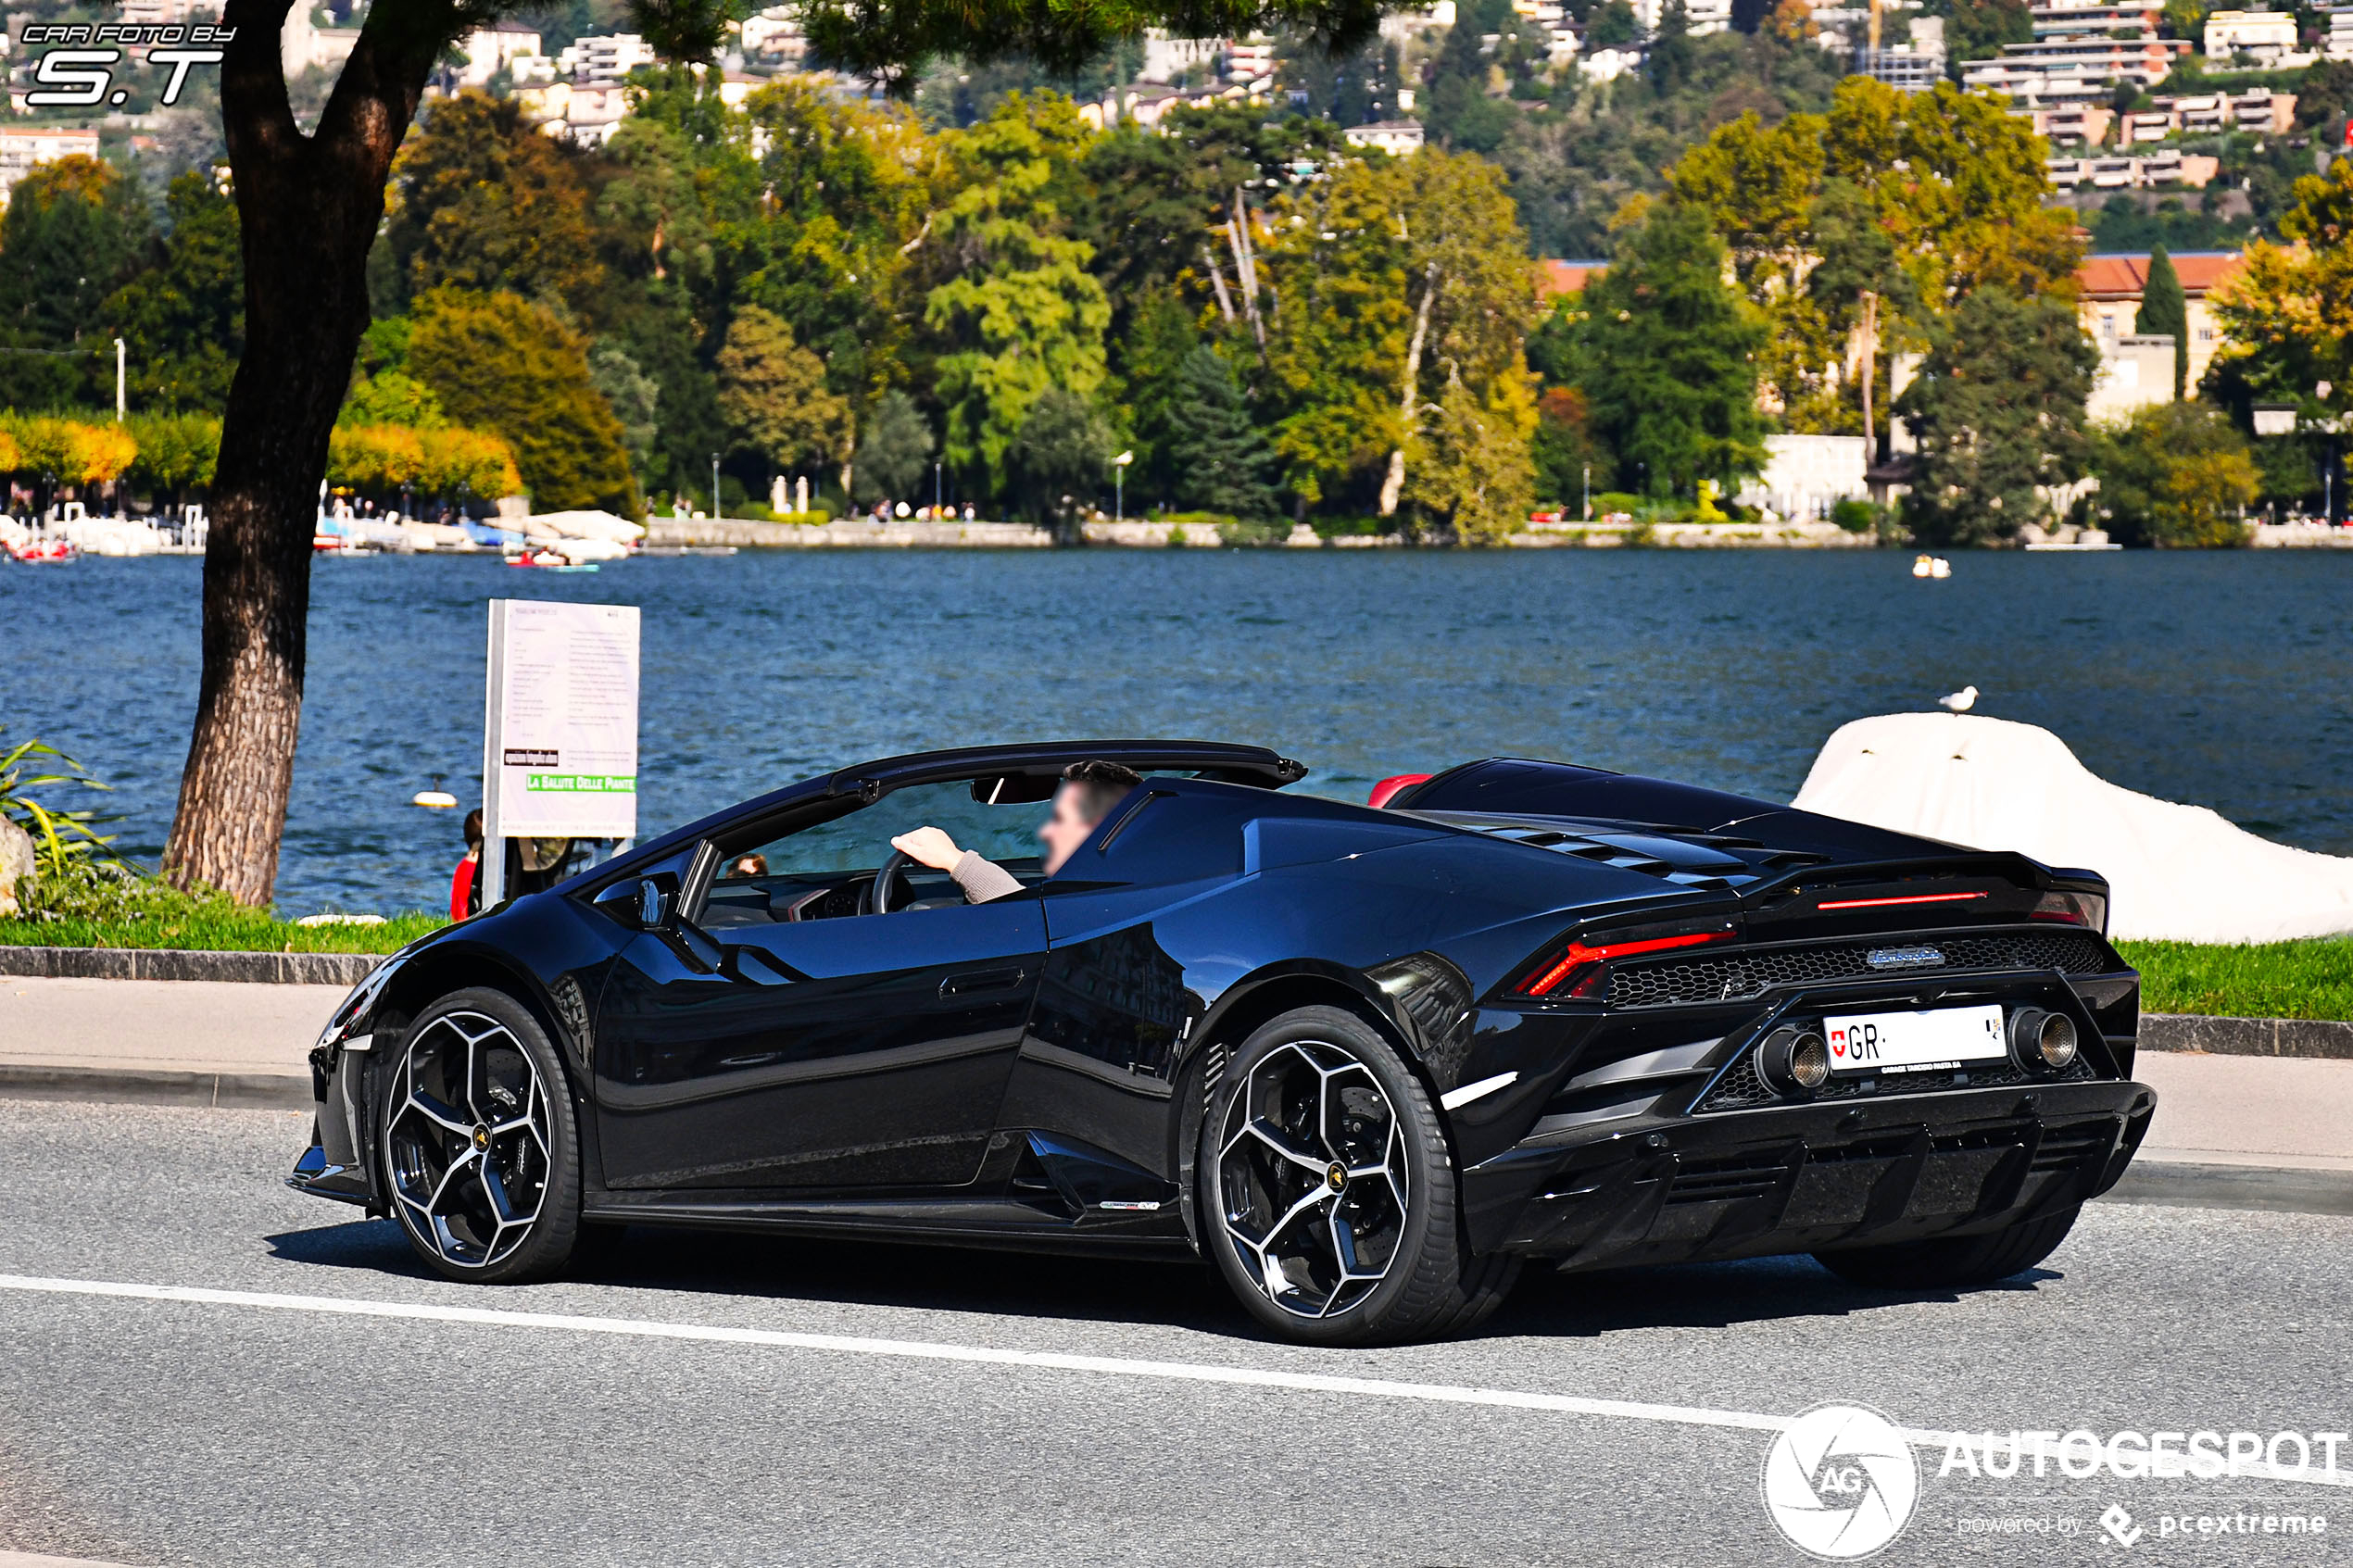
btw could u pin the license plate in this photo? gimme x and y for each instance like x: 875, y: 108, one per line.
x: 1914, y: 1042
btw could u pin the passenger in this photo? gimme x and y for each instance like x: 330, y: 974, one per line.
x: 1089, y: 791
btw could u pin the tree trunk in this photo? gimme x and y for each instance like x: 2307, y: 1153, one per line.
x: 1393, y: 484
x: 307, y: 209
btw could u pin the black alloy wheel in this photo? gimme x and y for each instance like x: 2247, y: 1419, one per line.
x: 1327, y: 1195
x: 481, y: 1151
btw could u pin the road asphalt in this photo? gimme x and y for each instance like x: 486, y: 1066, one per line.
x: 274, y: 1380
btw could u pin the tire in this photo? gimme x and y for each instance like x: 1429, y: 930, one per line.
x: 1327, y: 1191
x: 480, y: 1143
x: 1953, y: 1263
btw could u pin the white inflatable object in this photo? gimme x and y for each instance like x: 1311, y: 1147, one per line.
x: 582, y: 525
x: 2177, y: 873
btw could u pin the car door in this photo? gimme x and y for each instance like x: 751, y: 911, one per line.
x: 854, y: 1052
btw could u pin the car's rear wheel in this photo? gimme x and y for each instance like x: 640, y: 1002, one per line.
x: 1328, y: 1190
x: 1954, y: 1262
x: 481, y: 1146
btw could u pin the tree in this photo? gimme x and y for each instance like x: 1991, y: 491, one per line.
x: 1976, y: 30
x: 1150, y: 387
x: 1022, y: 315
x: 1999, y: 416
x: 311, y: 206
x: 1670, y: 65
x: 1960, y: 185
x: 893, y: 450
x: 176, y: 451
x: 390, y: 396
x: 633, y: 396
x: 1391, y: 281
x: 500, y: 363
x: 1060, y: 454
x: 1664, y: 359
x: 1568, y: 455
x: 773, y: 392
x: 1150, y: 199
x: 840, y: 191
x: 483, y: 201
x: 74, y: 232
x: 1461, y: 114
x: 1220, y: 459
x: 2164, y: 309
x: 2287, y: 315
x: 2176, y: 474
x: 1612, y: 26
x: 182, y: 322
x: 1863, y: 290
x: 1473, y: 475
x: 1856, y: 231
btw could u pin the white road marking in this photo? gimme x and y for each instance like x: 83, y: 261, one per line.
x: 1045, y: 1360
x: 1453, y: 1098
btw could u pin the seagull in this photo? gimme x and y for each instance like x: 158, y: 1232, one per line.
x: 1960, y: 701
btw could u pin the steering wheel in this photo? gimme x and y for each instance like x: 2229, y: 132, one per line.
x: 877, y: 899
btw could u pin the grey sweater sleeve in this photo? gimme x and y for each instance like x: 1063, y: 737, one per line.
x: 983, y: 880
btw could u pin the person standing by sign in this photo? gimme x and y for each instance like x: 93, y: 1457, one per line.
x: 465, y: 884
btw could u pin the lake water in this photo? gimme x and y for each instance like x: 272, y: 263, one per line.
x: 2218, y: 678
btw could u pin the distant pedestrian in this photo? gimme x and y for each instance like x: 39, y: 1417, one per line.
x: 465, y: 884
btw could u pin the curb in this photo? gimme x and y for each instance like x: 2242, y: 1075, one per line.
x: 177, y: 963
x: 236, y: 1091
x: 2247, y: 1037
x: 2167, y: 1184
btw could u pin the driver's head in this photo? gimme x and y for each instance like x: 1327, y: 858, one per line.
x: 1089, y: 791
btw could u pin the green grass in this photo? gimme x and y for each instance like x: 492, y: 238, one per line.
x: 2264, y: 980
x: 86, y: 904
x: 251, y: 930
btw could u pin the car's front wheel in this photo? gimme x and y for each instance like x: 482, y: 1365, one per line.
x: 481, y: 1146
x: 1327, y: 1195
x: 1952, y: 1262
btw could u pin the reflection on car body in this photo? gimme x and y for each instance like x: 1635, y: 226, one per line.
x: 1367, y: 1060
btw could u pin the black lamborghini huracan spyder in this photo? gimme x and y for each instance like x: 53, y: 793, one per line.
x: 1366, y: 1059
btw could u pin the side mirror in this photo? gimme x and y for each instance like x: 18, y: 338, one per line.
x: 638, y: 903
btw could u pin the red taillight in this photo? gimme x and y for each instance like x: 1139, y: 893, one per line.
x: 1906, y: 898
x: 2073, y: 909
x: 1579, y: 957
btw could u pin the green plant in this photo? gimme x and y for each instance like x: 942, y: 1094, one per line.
x: 1856, y: 516
x: 102, y: 904
x: 59, y: 838
x: 2312, y: 979
x: 1234, y: 531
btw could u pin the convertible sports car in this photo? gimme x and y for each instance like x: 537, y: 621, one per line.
x: 1368, y: 1059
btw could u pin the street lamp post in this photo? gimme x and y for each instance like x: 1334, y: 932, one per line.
x: 714, y: 488
x: 935, y: 487
x: 1119, y: 490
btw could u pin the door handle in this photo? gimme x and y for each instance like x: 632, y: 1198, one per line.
x: 977, y: 980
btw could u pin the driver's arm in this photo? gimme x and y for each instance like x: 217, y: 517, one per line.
x: 980, y: 880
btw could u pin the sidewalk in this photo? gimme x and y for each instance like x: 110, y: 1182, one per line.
x: 2237, y: 1130
x: 203, y: 1042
